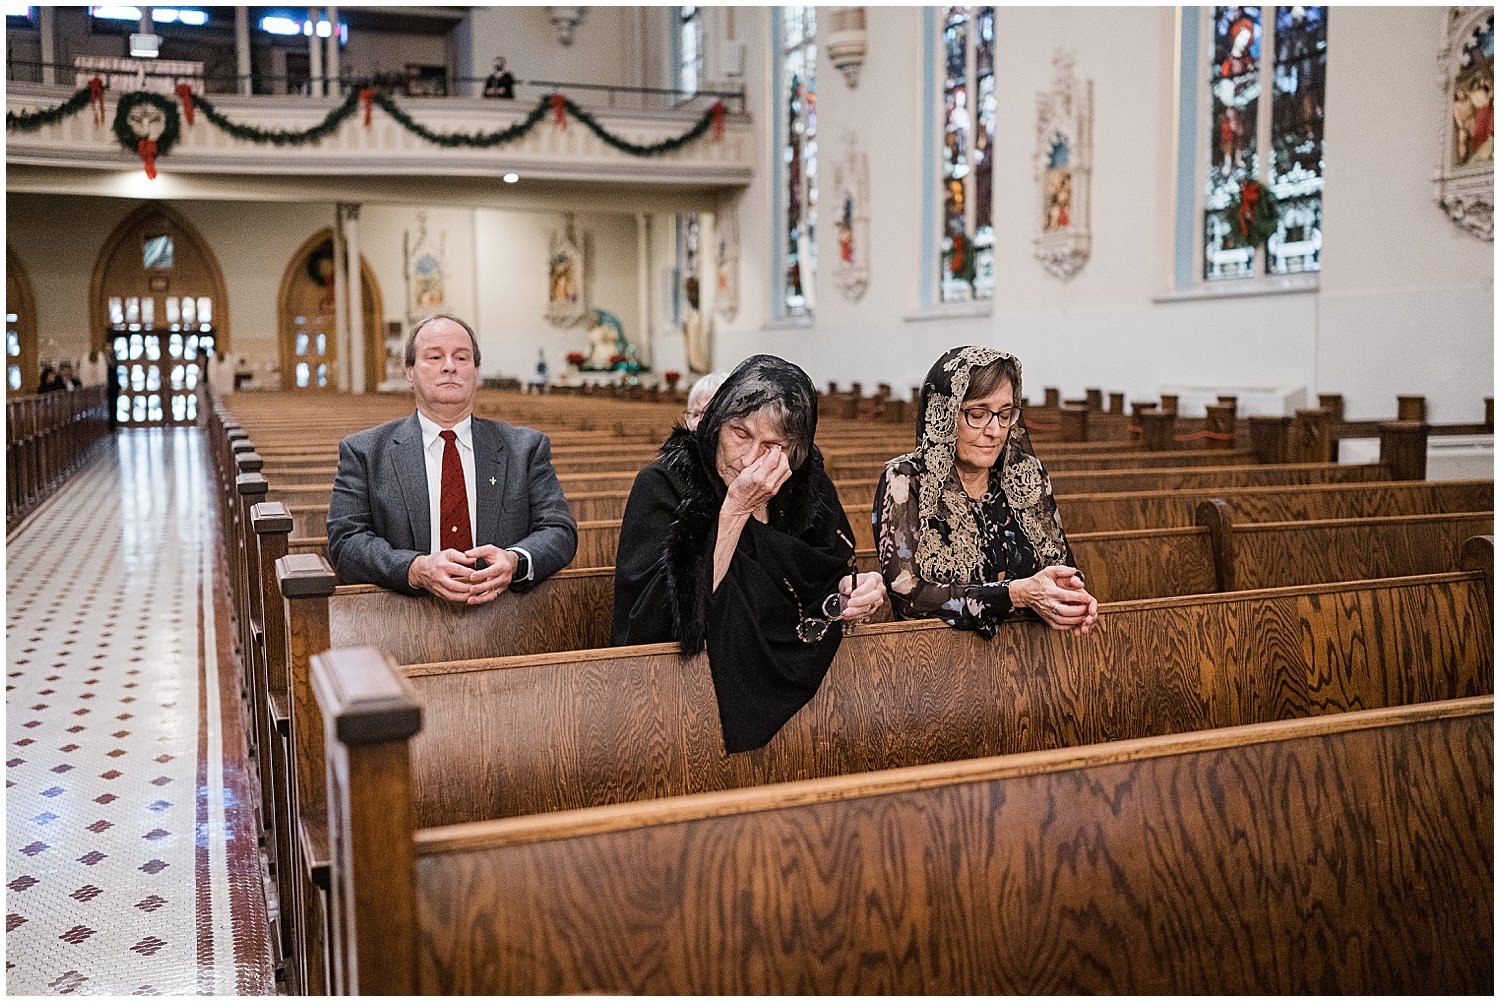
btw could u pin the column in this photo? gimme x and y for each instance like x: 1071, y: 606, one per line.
x: 242, y: 49
x: 332, y: 62
x: 314, y: 55
x: 47, y: 23
x: 340, y: 373
x: 356, y: 300
x: 643, y: 288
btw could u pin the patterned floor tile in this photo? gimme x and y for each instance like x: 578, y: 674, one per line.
x: 127, y: 773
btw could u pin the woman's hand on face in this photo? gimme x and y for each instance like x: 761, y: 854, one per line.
x: 1058, y: 596
x: 757, y: 483
x: 863, y: 597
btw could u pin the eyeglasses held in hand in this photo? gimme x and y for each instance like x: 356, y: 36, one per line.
x: 979, y: 418
x: 811, y: 629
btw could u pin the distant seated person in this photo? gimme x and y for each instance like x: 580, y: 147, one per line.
x: 47, y: 381
x: 735, y: 539
x: 699, y: 396
x: 444, y: 502
x: 67, y: 379
x: 500, y: 83
x: 966, y: 527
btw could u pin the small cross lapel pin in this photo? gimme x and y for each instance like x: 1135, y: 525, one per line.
x: 492, y: 481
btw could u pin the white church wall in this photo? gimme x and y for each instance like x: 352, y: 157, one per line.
x: 1407, y: 302
x: 603, y: 49
x: 1397, y: 275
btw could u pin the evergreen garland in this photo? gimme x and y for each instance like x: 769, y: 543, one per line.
x: 170, y: 132
x: 665, y: 146
x: 280, y: 137
x: 29, y: 121
x: 452, y: 140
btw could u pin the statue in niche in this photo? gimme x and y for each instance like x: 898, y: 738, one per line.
x: 851, y: 188
x: 565, y: 280
x: 1064, y: 165
x: 1057, y: 183
x: 1466, y: 167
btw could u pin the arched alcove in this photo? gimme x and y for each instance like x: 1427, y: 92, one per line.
x: 307, y: 341
x: 158, y: 300
x: 20, y: 327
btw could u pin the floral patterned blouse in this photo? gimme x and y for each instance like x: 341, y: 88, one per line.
x: 1004, y: 553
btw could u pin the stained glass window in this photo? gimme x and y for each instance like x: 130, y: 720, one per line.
x: 800, y: 157
x: 1297, y: 139
x: 689, y: 52
x: 967, y: 247
x: 1287, y: 137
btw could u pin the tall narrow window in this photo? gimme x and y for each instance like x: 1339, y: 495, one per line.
x: 689, y: 39
x: 1285, y: 133
x: 799, y: 52
x: 968, y: 238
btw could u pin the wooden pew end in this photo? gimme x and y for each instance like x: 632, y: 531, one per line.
x: 1478, y: 554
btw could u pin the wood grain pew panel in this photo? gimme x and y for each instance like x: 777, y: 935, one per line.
x: 1346, y: 854
x: 515, y: 736
x: 1275, y: 553
x: 1243, y: 859
x: 1146, y: 509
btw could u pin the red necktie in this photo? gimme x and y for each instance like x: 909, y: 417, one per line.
x: 454, y: 520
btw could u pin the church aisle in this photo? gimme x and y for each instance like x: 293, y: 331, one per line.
x: 131, y: 855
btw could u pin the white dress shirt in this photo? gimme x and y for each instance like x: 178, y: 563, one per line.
x: 432, y: 449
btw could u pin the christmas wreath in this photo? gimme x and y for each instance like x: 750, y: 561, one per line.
x: 961, y: 259
x: 1252, y: 216
x: 147, y: 125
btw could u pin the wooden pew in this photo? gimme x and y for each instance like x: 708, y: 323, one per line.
x: 518, y: 738
x: 315, y: 635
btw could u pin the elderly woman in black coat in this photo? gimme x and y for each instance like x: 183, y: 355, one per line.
x: 735, y: 540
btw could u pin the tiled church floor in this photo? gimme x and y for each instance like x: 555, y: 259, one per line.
x: 131, y: 862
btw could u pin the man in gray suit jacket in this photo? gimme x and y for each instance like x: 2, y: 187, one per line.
x: 486, y: 489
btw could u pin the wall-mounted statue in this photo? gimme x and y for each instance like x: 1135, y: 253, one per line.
x: 1064, y: 168
x: 1465, y: 181
x: 565, y: 305
x: 851, y: 220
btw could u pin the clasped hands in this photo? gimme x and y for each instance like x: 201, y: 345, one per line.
x: 450, y: 574
x: 1058, y: 596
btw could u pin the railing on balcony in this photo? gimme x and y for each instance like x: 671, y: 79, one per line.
x: 595, y: 133
x: 152, y: 75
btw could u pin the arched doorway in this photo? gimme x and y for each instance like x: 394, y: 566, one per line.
x: 158, y: 300
x: 20, y: 328
x: 307, y: 339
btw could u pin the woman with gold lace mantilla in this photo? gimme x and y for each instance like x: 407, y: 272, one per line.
x: 966, y: 527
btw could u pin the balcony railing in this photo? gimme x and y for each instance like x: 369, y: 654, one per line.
x: 155, y: 76
x: 601, y: 136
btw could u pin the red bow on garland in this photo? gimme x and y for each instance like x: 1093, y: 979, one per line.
x: 96, y: 98
x: 559, y: 109
x: 185, y: 95
x: 367, y: 96
x: 1249, y: 198
x: 718, y: 126
x: 147, y: 150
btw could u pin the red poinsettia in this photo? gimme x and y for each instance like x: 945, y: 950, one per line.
x: 575, y: 358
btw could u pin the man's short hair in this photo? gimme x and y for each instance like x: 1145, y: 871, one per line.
x: 411, y: 339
